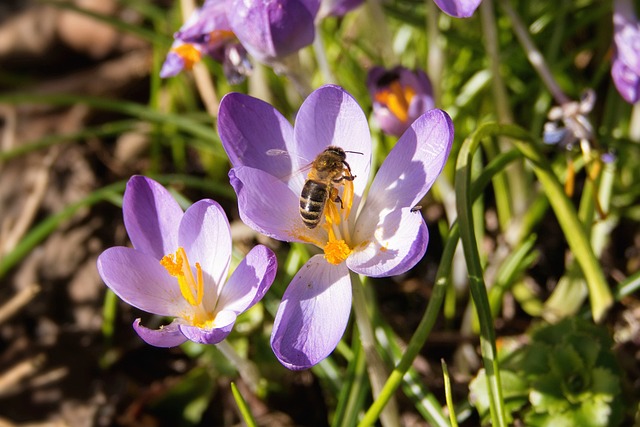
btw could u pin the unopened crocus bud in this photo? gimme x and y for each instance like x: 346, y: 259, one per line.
x: 273, y: 29
x: 399, y: 97
x: 625, y: 68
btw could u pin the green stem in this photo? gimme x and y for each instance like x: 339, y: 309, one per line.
x: 244, y: 409
x: 476, y: 281
x: 246, y: 368
x: 438, y: 294
x: 375, y: 366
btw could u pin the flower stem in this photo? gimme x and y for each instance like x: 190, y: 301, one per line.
x: 535, y: 56
x: 247, y: 370
x: 435, y: 58
x: 377, y: 371
x: 200, y: 73
x: 321, y: 57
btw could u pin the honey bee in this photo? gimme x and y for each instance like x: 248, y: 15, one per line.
x: 328, y: 169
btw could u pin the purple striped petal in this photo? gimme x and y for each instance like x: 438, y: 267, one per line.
x: 272, y: 29
x: 409, y: 170
x: 206, y: 237
x: 222, y: 326
x: 268, y: 206
x: 167, y: 336
x: 313, y: 314
x: 139, y: 280
x: 151, y: 217
x: 255, y: 134
x: 458, y: 8
x: 330, y: 116
x: 250, y: 280
x: 627, y: 82
x: 398, y: 242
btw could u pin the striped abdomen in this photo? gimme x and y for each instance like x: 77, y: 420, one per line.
x: 312, y: 200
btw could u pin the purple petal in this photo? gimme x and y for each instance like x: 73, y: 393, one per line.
x: 151, y: 217
x: 458, y: 8
x: 330, y: 116
x: 250, y: 280
x: 409, y: 170
x: 626, y: 35
x: 206, y: 238
x: 627, y: 82
x: 337, y: 7
x: 202, y: 22
x: 172, y: 65
x: 251, y: 129
x: 273, y: 29
x: 268, y: 206
x: 221, y: 328
x: 397, y: 244
x: 139, y: 280
x: 167, y: 336
x: 313, y: 314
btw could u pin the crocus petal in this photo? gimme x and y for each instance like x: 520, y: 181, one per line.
x: 250, y: 280
x: 221, y: 328
x: 398, y: 243
x: 206, y: 237
x: 330, y: 116
x: 202, y: 22
x: 458, y: 8
x: 626, y: 34
x: 409, y: 170
x: 272, y: 29
x: 268, y: 206
x: 255, y: 134
x: 151, y: 217
x: 172, y: 65
x: 627, y: 82
x: 167, y: 336
x: 139, y: 280
x: 313, y: 314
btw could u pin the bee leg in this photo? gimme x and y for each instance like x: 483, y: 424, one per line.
x: 335, y: 197
x: 344, y: 178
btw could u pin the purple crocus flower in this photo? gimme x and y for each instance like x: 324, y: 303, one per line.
x: 207, y: 32
x: 273, y: 29
x: 625, y: 68
x: 178, y: 267
x: 399, y: 97
x: 458, y: 8
x: 376, y: 236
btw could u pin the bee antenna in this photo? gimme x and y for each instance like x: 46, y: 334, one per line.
x: 354, y: 152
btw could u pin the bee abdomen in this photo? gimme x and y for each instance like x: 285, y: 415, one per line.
x: 312, y: 200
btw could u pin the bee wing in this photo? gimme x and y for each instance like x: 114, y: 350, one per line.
x: 273, y: 152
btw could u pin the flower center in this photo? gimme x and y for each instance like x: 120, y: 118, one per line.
x: 191, y: 287
x: 397, y: 99
x: 219, y: 37
x: 337, y: 248
x: 189, y: 54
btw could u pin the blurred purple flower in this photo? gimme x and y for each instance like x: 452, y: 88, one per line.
x: 179, y: 265
x: 337, y: 7
x: 273, y: 29
x: 207, y: 32
x: 625, y: 67
x: 458, y: 8
x: 399, y: 97
x: 380, y: 236
x: 227, y: 29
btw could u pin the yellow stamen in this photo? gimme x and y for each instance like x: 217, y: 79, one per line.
x: 189, y: 54
x: 336, y: 251
x: 177, y: 265
x: 397, y: 99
